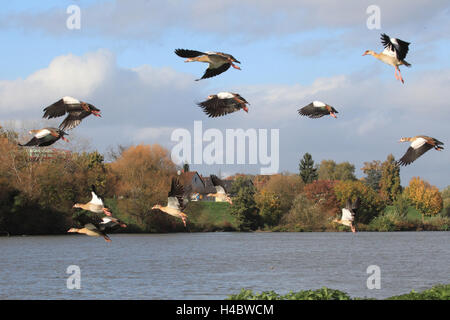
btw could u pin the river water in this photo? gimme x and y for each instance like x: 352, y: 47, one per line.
x: 214, y: 265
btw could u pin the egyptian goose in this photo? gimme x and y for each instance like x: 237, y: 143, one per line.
x: 348, y: 214
x: 317, y: 109
x: 175, y: 202
x: 394, y: 53
x: 95, y: 205
x: 218, y: 61
x: 96, y: 227
x: 45, y: 137
x: 419, y: 145
x: 77, y: 111
x: 223, y: 103
x: 221, y: 192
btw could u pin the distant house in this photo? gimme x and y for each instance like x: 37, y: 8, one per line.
x: 197, y: 187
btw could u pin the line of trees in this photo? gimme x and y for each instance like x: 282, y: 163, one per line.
x: 37, y: 195
x: 311, y: 199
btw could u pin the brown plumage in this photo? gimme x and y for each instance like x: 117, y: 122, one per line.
x: 95, y: 226
x: 221, y: 191
x: 394, y: 54
x: 223, y: 103
x: 219, y: 62
x: 317, y: 109
x: 95, y: 205
x: 419, y: 145
x: 45, y: 137
x: 175, y: 202
x: 76, y: 110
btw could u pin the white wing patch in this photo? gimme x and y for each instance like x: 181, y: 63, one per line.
x: 347, y: 214
x: 389, y: 52
x: 95, y: 199
x: 220, y: 189
x: 225, y: 95
x: 418, y: 143
x: 70, y: 100
x: 318, y: 104
x: 42, y: 133
x: 173, y: 202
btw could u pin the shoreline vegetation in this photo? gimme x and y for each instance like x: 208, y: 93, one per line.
x: 437, y: 292
x: 39, y: 186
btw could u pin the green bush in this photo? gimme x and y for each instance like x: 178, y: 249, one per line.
x: 438, y: 292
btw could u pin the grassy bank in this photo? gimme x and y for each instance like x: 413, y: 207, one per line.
x: 438, y: 292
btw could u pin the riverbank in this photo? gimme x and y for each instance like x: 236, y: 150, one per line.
x: 438, y: 292
x: 210, y: 217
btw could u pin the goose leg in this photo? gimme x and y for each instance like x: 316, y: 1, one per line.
x: 396, y: 76
x: 400, y: 75
x: 107, y: 212
x: 235, y: 66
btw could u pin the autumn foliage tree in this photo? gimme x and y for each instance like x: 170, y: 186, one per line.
x: 269, y: 205
x: 322, y: 193
x: 142, y: 175
x: 283, y: 186
x: 426, y: 198
x: 371, y: 203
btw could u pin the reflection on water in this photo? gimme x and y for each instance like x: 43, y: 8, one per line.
x: 214, y: 265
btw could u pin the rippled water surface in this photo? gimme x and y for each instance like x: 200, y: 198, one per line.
x: 214, y: 265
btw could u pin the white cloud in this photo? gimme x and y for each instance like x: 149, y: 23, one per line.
x: 144, y: 104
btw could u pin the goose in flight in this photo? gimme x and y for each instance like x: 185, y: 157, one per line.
x: 394, y: 54
x: 348, y: 214
x: 317, y: 109
x: 76, y: 110
x: 95, y: 205
x: 175, y: 202
x: 97, y: 227
x: 221, y: 192
x: 419, y: 145
x: 218, y: 61
x: 223, y: 103
x: 45, y: 137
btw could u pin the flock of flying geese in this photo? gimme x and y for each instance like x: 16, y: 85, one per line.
x: 217, y: 105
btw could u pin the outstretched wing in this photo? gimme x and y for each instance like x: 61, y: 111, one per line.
x: 185, y: 53
x: 398, y: 46
x: 73, y: 119
x: 83, y: 220
x: 212, y: 72
x: 412, y: 154
x: 218, y: 184
x: 175, y: 196
x: 216, y: 107
x: 347, y: 215
x: 313, y: 112
x: 95, y: 198
x: 57, y: 109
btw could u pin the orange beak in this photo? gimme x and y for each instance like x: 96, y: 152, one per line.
x: 245, y: 109
x: 66, y: 140
x: 333, y: 115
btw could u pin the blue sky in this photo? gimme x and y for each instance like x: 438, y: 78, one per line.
x: 292, y: 52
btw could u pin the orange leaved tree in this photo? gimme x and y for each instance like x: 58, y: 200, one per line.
x: 425, y: 197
